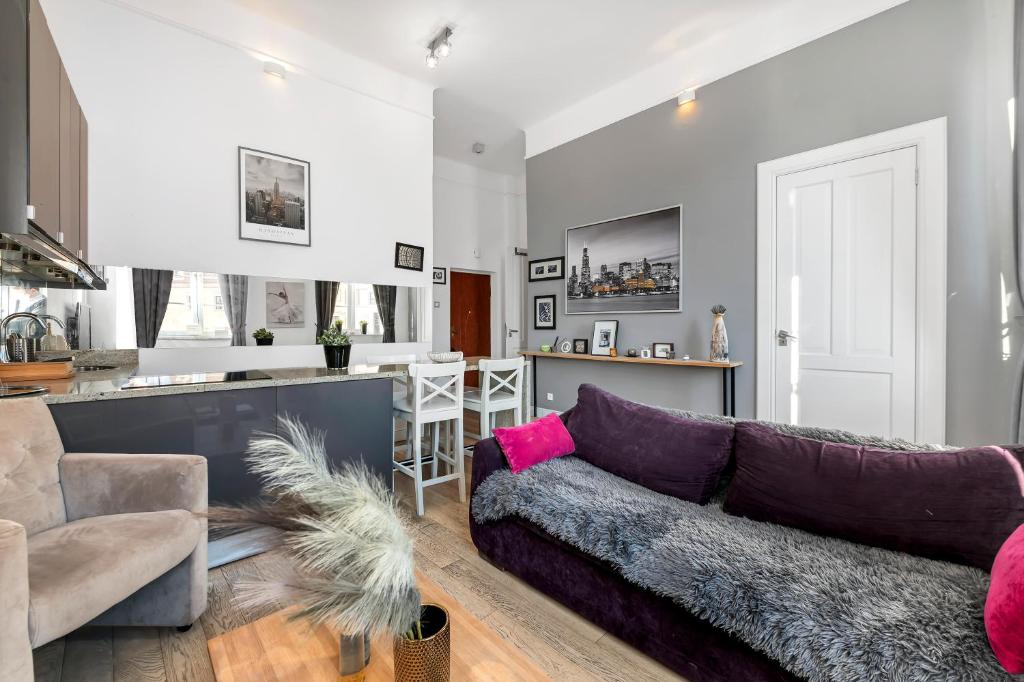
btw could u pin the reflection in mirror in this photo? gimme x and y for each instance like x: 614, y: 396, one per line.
x: 198, y: 309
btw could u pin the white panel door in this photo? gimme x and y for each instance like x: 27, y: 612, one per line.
x: 845, y: 295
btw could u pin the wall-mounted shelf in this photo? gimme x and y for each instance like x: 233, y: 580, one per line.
x: 728, y: 371
x: 640, y: 361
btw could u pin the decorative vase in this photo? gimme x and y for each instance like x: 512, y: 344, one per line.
x: 264, y: 342
x: 353, y: 657
x: 719, y: 337
x: 362, y: 328
x: 337, y: 356
x: 427, y: 659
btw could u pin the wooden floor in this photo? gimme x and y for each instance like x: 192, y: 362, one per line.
x: 564, y: 645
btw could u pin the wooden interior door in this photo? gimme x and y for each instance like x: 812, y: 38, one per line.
x: 471, y: 317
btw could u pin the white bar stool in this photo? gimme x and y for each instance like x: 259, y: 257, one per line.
x: 435, y: 396
x: 501, y: 388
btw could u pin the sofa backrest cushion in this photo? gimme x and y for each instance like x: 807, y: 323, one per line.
x: 957, y: 505
x: 671, y: 455
x: 30, y: 449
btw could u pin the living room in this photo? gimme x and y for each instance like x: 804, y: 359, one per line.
x: 630, y: 343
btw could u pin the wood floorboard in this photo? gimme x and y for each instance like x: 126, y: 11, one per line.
x: 564, y: 645
x: 138, y: 656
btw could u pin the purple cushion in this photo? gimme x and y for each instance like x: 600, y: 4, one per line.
x: 958, y: 505
x: 668, y: 454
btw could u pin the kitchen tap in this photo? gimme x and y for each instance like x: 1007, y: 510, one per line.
x: 4, y: 353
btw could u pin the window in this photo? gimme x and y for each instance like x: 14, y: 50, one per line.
x: 195, y: 309
x: 355, y: 304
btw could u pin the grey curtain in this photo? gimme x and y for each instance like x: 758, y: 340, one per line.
x: 1018, y: 202
x: 152, y: 289
x: 234, y: 291
x: 326, y: 297
x: 386, y: 297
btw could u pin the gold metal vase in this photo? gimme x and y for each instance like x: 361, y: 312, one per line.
x: 427, y: 659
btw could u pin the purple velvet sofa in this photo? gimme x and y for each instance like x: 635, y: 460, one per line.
x: 960, y: 508
x: 651, y: 623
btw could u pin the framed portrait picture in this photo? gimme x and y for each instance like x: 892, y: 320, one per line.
x: 662, y: 349
x: 605, y: 336
x: 580, y: 346
x: 440, y: 275
x: 273, y: 198
x: 286, y: 304
x: 547, y: 268
x: 408, y: 257
x: 625, y: 265
x: 544, y: 312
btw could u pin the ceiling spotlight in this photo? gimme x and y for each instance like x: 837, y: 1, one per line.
x: 479, y: 147
x: 440, y: 46
x: 274, y: 69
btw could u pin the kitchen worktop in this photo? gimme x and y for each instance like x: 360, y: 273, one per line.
x: 108, y: 384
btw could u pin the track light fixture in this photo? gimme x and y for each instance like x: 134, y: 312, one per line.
x: 440, y: 46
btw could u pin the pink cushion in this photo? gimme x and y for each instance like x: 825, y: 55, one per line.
x: 1004, y: 607
x: 533, y: 443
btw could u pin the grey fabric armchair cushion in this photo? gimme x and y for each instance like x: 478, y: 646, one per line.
x: 79, y: 569
x: 15, y: 650
x: 98, y: 484
x: 30, y: 448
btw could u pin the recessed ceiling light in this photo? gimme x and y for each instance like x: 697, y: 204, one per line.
x: 274, y: 69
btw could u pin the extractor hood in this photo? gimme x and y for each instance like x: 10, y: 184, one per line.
x: 34, y: 256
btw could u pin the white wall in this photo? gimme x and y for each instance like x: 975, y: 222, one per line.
x: 168, y: 106
x: 479, y: 217
x: 171, y: 90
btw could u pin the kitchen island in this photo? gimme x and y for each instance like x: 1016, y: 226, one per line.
x: 352, y: 407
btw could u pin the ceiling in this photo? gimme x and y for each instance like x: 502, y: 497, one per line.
x: 516, y: 63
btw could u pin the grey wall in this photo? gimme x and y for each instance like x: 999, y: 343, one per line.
x: 921, y: 60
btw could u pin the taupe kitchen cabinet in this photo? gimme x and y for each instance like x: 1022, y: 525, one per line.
x: 58, y: 142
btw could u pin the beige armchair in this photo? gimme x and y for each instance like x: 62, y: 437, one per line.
x: 92, y: 538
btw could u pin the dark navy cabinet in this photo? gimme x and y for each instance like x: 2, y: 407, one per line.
x: 356, y: 416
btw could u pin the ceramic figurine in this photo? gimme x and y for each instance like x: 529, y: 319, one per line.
x: 719, y: 337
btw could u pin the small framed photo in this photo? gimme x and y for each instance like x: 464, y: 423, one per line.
x: 440, y: 275
x: 408, y: 257
x: 544, y: 312
x: 662, y: 349
x: 580, y: 346
x: 604, y: 337
x: 547, y: 268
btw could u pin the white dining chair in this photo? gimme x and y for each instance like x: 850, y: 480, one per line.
x: 501, y: 389
x: 435, y: 396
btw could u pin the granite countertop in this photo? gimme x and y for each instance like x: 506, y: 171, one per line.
x: 107, y: 384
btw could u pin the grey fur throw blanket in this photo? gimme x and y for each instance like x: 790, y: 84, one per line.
x: 824, y: 608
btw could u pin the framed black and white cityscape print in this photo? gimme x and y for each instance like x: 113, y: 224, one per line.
x: 547, y: 268
x: 625, y: 265
x: 273, y: 198
x: 544, y: 312
x: 408, y: 257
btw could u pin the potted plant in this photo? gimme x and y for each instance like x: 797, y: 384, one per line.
x: 263, y: 336
x: 362, y: 326
x: 346, y: 555
x: 337, y: 346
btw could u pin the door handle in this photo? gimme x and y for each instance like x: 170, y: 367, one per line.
x: 784, y: 336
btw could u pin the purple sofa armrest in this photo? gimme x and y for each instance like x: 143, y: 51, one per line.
x: 487, y: 458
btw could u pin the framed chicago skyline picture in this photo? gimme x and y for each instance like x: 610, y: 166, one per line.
x: 625, y: 265
x: 273, y: 198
